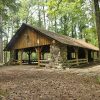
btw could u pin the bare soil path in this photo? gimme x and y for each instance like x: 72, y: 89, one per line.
x: 31, y: 83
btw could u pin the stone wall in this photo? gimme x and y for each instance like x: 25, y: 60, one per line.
x: 63, y: 55
x: 58, y: 55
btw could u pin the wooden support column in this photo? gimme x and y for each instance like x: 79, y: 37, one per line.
x: 16, y: 55
x: 5, y: 56
x: 38, y: 49
x: 29, y: 57
x: 21, y: 56
x: 76, y: 52
x: 11, y: 55
x: 86, y: 55
x: 39, y: 56
x: 43, y: 55
x: 97, y: 55
x: 93, y: 55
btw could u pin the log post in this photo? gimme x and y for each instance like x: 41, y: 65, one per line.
x: 29, y: 57
x: 5, y: 57
x: 93, y: 53
x: 76, y: 52
x: 16, y: 55
x: 28, y: 53
x: 21, y: 56
x: 38, y: 54
x: 43, y: 55
x: 86, y: 55
x: 11, y: 55
x: 97, y: 55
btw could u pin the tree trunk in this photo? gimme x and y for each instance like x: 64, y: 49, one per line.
x: 44, y: 14
x: 1, y: 50
x: 65, y: 25
x: 55, y: 24
x: 97, y: 14
x: 1, y: 42
x: 39, y: 16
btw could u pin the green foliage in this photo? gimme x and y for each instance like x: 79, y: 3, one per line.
x: 3, y: 93
x: 8, y: 5
x: 73, y: 18
x: 98, y: 79
x: 91, y: 36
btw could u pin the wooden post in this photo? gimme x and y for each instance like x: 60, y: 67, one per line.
x: 43, y: 55
x: 38, y: 50
x: 76, y: 51
x: 21, y: 56
x: 97, y: 55
x: 29, y: 57
x: 5, y: 57
x: 86, y: 55
x: 11, y: 55
x: 16, y: 54
x: 93, y: 55
x: 39, y: 55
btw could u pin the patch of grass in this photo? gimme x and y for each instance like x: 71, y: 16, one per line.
x: 98, y: 79
x: 3, y: 93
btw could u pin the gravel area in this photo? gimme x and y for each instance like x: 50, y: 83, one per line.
x: 33, y: 83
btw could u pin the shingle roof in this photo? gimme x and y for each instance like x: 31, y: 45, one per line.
x: 58, y: 37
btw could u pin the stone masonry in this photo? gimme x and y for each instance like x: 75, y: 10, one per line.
x: 58, y: 55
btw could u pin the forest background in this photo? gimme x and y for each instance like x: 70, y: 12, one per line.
x: 74, y: 18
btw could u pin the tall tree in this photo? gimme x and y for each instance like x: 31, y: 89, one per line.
x: 97, y: 14
x: 1, y: 43
x: 5, y: 7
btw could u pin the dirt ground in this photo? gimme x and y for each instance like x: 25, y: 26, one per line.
x: 33, y: 83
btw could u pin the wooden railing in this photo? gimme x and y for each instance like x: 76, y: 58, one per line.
x: 44, y: 62
x: 72, y: 62
x: 31, y: 61
x: 96, y: 59
x: 77, y: 62
x: 82, y: 61
x: 13, y: 62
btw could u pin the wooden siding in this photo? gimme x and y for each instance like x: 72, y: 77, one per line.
x: 30, y: 38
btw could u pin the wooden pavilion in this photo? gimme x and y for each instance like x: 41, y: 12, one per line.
x: 62, y: 49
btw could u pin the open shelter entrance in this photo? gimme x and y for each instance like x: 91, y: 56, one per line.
x: 32, y: 55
